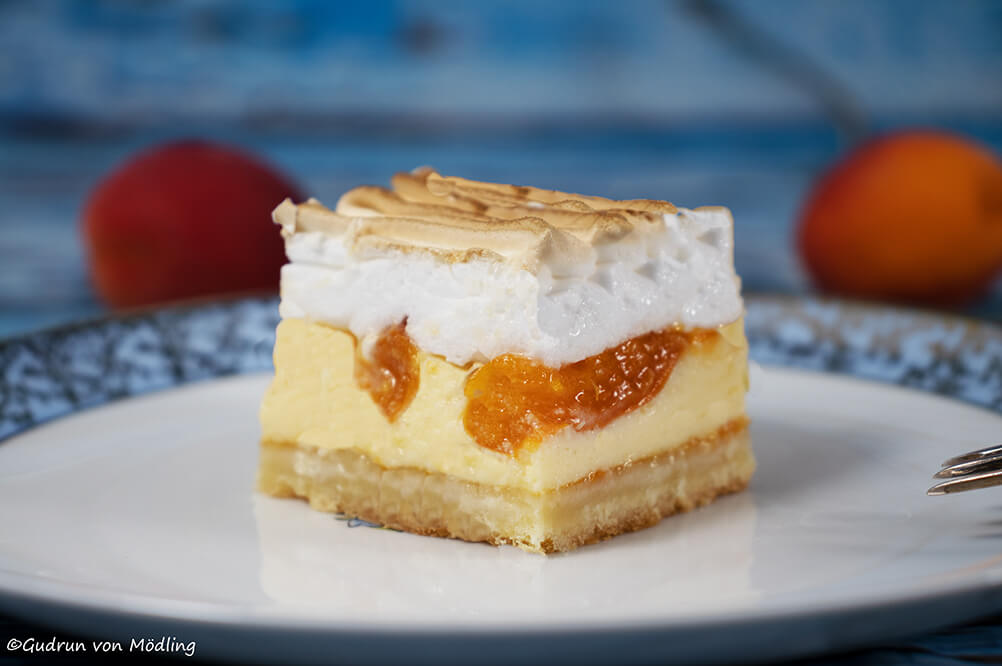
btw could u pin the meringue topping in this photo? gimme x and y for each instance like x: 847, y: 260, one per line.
x: 482, y: 269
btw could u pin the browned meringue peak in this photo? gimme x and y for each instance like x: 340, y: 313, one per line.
x: 459, y: 219
x: 525, y: 241
x: 453, y: 186
x: 427, y: 186
x: 371, y: 201
x: 427, y: 195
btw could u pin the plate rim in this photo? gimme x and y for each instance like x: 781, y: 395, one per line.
x: 981, y: 593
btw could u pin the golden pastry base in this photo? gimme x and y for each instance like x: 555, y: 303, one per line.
x: 602, y: 505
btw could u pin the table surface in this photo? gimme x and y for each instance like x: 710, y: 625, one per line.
x: 762, y: 173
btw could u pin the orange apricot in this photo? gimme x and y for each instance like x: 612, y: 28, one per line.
x: 913, y: 216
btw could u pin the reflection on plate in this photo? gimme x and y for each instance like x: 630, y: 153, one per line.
x: 138, y: 518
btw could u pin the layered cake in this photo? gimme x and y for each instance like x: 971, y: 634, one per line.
x: 506, y: 364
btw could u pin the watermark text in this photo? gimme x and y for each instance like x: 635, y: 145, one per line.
x: 145, y: 644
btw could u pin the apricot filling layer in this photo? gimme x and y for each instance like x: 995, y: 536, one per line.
x: 513, y: 401
x: 392, y: 373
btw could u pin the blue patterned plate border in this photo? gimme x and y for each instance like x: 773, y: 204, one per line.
x: 949, y: 355
x: 59, y: 371
x: 63, y: 370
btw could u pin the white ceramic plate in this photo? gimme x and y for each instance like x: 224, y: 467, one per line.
x: 138, y: 519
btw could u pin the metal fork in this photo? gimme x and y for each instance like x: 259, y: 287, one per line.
x: 970, y: 471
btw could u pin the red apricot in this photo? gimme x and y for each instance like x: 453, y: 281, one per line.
x: 184, y: 219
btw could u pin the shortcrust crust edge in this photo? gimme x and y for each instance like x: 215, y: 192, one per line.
x: 606, y: 503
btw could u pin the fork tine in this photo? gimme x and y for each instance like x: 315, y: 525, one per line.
x: 974, y: 455
x: 983, y: 464
x: 968, y: 482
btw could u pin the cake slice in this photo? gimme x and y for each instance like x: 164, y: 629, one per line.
x: 506, y: 364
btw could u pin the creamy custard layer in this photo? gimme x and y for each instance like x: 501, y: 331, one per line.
x: 315, y: 401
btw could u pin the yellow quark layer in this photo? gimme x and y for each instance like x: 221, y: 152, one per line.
x: 315, y: 401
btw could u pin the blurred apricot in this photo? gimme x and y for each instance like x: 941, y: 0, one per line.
x: 913, y: 216
x: 184, y: 219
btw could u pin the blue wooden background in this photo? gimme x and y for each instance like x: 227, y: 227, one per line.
x: 734, y: 102
x: 625, y: 99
